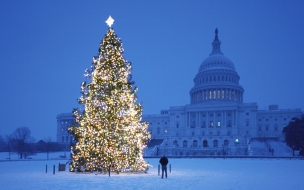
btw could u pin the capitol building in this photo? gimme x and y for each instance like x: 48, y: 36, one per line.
x: 216, y: 122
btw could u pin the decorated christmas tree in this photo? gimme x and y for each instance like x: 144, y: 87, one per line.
x: 109, y: 133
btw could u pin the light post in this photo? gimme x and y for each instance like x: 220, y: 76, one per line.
x: 293, y: 150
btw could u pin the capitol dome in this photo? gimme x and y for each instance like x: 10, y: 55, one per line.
x: 217, y: 79
x: 216, y: 61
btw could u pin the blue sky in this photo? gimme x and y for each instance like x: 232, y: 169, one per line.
x: 47, y: 45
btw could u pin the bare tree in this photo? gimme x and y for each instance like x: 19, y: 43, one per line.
x: 2, y: 143
x: 22, y: 139
x: 9, y: 143
x: 48, y: 146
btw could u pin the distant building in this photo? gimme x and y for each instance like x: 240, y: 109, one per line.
x: 64, y: 121
x: 216, y: 122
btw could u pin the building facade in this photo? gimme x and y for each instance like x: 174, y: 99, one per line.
x: 216, y: 122
x: 64, y: 121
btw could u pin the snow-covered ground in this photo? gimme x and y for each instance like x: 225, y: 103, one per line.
x: 198, y: 173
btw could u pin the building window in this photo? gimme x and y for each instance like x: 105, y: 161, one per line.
x: 166, y: 130
x: 185, y: 143
x: 158, y: 130
x: 195, y: 143
x: 62, y: 139
x: 203, y: 132
x: 205, y: 143
x: 266, y: 128
x: 266, y: 119
x: 218, y: 133
x: 260, y: 128
x: 204, y: 124
x: 215, y: 143
x: 211, y: 124
x: 218, y: 123
x: 228, y: 133
x: 175, y: 143
x: 229, y: 123
x: 192, y: 133
x: 67, y: 138
x: 247, y: 113
x: 177, y: 125
x: 193, y: 124
x: 247, y: 123
x: 276, y: 127
x: 226, y: 142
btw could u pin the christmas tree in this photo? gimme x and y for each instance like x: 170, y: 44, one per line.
x: 109, y: 132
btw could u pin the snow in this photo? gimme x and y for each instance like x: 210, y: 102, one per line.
x: 186, y: 173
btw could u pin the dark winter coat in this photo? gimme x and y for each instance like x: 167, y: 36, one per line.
x: 163, y: 161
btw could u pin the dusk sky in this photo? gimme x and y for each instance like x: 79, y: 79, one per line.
x: 45, y: 46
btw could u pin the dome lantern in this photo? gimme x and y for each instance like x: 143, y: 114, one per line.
x: 216, y: 44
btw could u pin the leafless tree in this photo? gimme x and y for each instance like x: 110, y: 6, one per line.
x: 9, y: 144
x: 22, y: 141
x: 2, y: 143
x: 48, y: 146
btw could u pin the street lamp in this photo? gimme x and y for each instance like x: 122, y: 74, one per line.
x: 236, y: 141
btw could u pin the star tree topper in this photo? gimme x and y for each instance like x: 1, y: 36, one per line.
x: 110, y: 21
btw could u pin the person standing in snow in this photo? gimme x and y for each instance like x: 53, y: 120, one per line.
x: 164, y: 161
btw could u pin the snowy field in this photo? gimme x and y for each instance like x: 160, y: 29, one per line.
x: 198, y: 173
